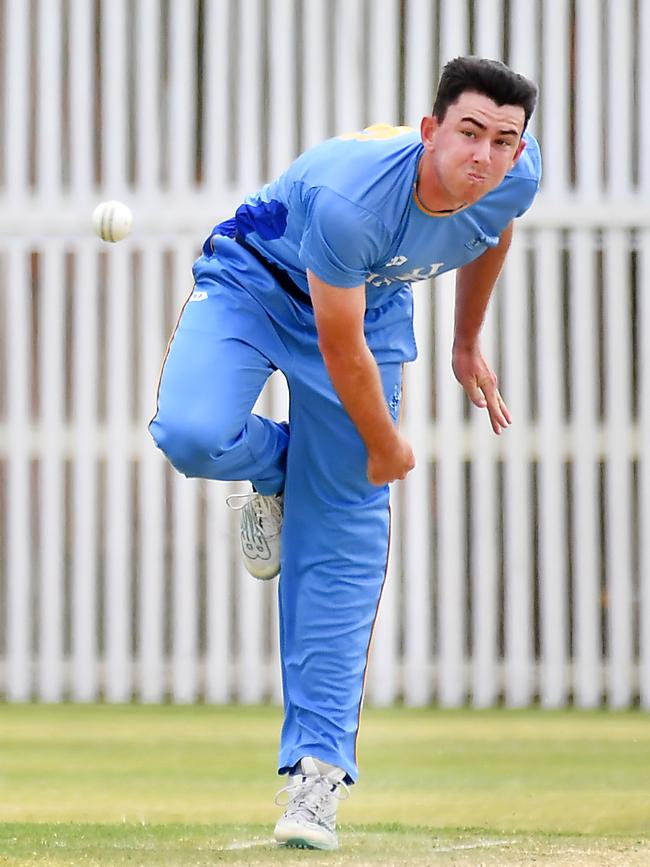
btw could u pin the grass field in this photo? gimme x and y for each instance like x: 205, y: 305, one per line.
x: 132, y: 785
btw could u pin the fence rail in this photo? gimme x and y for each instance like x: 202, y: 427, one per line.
x: 520, y: 566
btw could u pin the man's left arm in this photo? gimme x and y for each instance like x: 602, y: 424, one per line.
x: 474, y: 284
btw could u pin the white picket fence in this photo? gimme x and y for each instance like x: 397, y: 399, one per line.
x: 520, y: 566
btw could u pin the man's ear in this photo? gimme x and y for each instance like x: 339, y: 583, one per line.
x: 520, y: 149
x: 428, y: 129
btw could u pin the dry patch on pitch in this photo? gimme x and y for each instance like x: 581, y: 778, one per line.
x: 69, y: 845
x: 485, y: 851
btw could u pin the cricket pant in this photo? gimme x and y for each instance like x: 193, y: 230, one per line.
x: 237, y: 327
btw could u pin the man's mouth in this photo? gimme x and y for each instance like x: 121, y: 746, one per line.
x: 476, y: 177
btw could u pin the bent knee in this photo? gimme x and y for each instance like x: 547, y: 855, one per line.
x: 187, y: 445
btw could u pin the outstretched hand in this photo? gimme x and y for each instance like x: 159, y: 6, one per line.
x: 480, y: 384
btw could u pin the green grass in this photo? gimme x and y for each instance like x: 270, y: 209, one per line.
x: 107, y: 785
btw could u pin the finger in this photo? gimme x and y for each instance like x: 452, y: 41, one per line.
x: 498, y: 418
x: 476, y: 395
x: 504, y: 409
x: 381, y: 479
x: 496, y: 406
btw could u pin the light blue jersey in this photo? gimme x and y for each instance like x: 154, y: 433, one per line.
x: 348, y: 211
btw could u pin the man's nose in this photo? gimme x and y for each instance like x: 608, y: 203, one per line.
x: 482, y: 151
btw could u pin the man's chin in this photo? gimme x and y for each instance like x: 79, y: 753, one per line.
x: 476, y: 191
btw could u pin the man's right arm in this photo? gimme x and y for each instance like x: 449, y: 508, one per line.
x: 354, y: 373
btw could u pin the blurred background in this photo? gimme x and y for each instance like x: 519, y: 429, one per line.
x: 520, y: 566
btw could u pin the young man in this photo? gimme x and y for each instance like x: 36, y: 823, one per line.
x: 312, y: 276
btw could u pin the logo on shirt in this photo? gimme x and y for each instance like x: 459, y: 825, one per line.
x: 394, y: 401
x: 406, y: 276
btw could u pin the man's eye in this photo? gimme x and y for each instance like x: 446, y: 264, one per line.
x: 469, y: 133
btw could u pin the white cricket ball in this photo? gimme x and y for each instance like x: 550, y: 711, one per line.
x: 112, y: 220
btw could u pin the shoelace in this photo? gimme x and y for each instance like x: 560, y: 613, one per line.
x: 258, y: 510
x: 308, y: 796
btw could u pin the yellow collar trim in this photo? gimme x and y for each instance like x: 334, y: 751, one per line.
x: 439, y: 214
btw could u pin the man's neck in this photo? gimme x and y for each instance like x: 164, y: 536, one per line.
x: 430, y: 194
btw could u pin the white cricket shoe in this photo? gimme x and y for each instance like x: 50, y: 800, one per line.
x: 309, y: 820
x: 259, y: 532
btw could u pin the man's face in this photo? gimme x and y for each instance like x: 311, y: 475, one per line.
x: 474, y: 146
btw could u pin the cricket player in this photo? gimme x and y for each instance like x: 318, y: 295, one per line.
x: 312, y: 276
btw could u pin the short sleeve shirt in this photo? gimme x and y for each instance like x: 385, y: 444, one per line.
x: 347, y: 210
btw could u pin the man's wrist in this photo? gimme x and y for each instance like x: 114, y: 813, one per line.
x: 463, y: 343
x: 384, y: 444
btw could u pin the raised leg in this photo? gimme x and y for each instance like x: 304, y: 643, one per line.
x: 223, y: 351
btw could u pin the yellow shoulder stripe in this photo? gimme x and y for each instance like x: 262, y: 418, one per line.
x: 376, y: 132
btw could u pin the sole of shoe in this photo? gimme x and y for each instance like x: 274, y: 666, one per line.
x: 263, y: 576
x: 295, y: 837
x: 301, y: 843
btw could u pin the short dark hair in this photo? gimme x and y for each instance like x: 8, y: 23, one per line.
x: 488, y: 77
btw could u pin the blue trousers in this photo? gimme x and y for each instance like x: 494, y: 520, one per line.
x: 238, y: 327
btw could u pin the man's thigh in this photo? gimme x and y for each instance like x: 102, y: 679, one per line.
x: 336, y: 521
x: 327, y: 454
x: 217, y: 361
